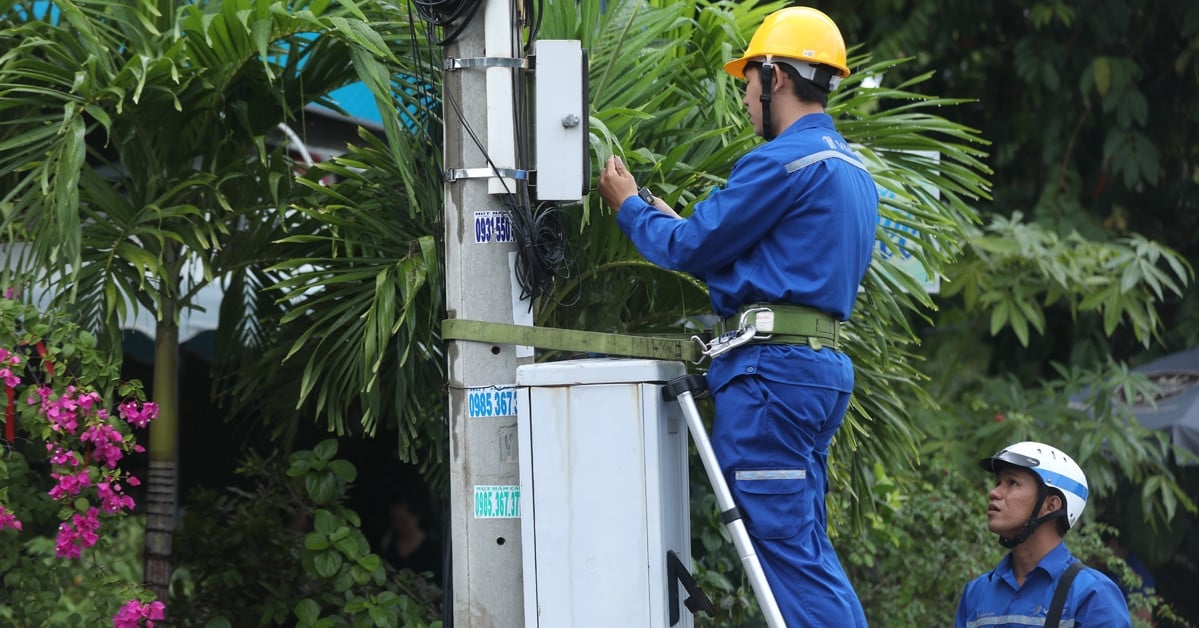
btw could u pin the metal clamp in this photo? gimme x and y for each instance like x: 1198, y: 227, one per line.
x: 455, y: 174
x: 469, y: 63
x: 726, y: 342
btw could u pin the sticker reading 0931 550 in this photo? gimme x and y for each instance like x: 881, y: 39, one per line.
x: 493, y: 226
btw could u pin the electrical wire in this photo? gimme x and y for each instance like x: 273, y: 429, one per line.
x: 424, y: 69
x: 444, y: 13
x: 534, y: 23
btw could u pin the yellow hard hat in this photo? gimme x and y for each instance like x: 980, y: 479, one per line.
x: 795, y: 33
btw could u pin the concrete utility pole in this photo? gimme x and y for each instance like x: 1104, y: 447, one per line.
x: 478, y: 88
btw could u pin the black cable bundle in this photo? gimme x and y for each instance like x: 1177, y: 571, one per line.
x: 541, y: 251
x: 444, y: 14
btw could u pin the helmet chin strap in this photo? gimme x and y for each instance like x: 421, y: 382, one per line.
x: 766, y: 76
x: 1033, y: 522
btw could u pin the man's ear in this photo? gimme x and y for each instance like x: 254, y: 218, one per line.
x: 779, y: 77
x: 1053, y: 503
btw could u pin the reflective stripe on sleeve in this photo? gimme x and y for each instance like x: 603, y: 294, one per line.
x: 804, y: 162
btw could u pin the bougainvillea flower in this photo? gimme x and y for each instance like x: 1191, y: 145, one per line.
x: 8, y: 520
x: 134, y: 611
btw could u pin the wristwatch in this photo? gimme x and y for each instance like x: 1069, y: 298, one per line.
x: 646, y: 195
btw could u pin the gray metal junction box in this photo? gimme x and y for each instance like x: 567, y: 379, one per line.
x: 604, y: 493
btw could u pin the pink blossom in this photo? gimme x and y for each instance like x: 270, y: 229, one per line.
x: 64, y: 544
x: 134, y: 611
x: 78, y: 535
x: 43, y: 392
x: 87, y: 401
x: 111, y: 498
x: 69, y: 484
x: 62, y: 412
x: 8, y: 520
x: 106, y: 441
x: 63, y: 457
x: 138, y: 417
x: 9, y: 377
x: 7, y: 358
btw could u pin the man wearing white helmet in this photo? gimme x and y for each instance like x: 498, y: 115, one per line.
x: 1039, y: 494
x: 790, y: 236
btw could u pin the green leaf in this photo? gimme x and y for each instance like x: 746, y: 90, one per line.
x: 327, y: 563
x: 322, y: 487
x: 343, y: 470
x: 307, y: 611
x: 1102, y: 71
x: 326, y: 522
x: 316, y: 541
x: 326, y: 449
x: 347, y: 545
x: 298, y: 467
x: 370, y: 562
x: 999, y: 316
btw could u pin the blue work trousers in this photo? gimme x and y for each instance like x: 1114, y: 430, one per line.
x: 771, y: 440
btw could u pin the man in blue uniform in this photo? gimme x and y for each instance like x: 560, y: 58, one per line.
x: 1036, y: 484
x: 784, y: 246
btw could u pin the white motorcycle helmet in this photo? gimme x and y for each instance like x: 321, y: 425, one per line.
x: 1055, y: 469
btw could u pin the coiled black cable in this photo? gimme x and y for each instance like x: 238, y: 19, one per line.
x: 542, y: 254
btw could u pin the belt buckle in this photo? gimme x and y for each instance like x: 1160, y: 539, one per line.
x: 763, y: 322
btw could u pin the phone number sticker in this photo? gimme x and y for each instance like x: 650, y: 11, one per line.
x: 493, y: 226
x: 482, y: 403
x: 497, y: 502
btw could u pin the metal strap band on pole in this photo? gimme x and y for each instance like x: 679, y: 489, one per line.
x: 571, y: 340
x: 468, y: 63
x: 456, y: 174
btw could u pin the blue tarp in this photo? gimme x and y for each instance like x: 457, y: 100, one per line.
x: 1177, y: 407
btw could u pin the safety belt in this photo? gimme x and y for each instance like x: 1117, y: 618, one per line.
x: 571, y: 340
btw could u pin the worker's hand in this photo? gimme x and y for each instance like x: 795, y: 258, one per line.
x: 616, y: 183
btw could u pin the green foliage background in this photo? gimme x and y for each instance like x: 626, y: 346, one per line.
x: 1060, y: 218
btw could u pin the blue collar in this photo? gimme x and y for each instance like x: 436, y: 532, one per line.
x: 1053, y: 565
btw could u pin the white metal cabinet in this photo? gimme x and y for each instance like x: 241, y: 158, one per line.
x: 604, y: 493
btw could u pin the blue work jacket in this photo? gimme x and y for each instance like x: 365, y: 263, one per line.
x: 795, y: 224
x: 995, y: 600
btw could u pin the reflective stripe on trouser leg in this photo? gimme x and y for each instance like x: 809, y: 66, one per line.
x: 772, y: 443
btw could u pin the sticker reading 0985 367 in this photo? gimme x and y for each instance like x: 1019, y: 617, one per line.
x: 491, y: 401
x: 493, y: 226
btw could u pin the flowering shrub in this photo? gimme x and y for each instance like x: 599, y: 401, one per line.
x: 57, y: 426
